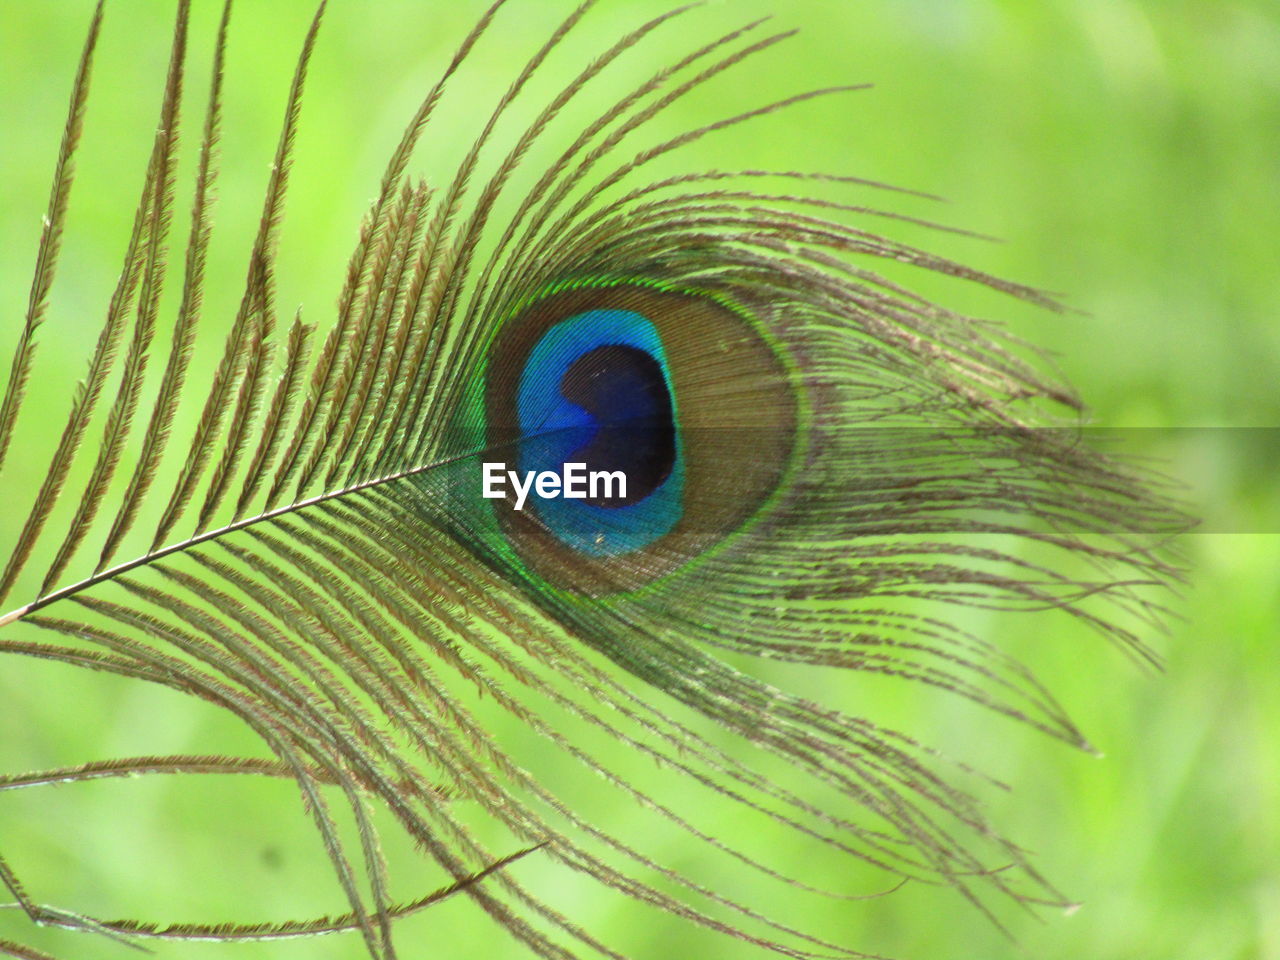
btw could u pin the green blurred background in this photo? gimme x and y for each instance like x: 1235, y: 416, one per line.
x: 1126, y: 153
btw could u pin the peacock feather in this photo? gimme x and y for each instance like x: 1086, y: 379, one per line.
x: 792, y: 469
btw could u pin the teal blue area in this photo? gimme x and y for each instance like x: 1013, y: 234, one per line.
x: 553, y: 429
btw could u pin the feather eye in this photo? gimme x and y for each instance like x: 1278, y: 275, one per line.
x: 646, y: 388
x: 784, y: 458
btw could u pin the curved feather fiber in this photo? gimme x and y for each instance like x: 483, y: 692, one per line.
x: 322, y: 567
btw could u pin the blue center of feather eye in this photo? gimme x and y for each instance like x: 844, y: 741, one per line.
x: 596, y: 389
